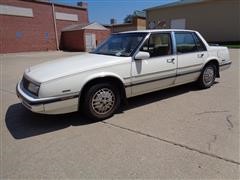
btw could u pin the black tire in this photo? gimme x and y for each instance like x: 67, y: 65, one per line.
x: 207, y: 77
x: 101, y: 101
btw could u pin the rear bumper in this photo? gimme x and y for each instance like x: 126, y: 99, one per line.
x: 52, y: 105
x: 225, y: 66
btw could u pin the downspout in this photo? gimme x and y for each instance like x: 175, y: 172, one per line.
x: 55, y: 25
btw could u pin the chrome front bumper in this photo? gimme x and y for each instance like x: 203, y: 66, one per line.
x: 51, y: 105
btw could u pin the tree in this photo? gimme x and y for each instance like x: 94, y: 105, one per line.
x: 128, y: 18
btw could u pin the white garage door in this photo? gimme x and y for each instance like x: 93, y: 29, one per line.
x: 178, y: 24
x: 90, y: 41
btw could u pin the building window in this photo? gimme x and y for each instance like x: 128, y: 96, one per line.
x: 15, y: 11
x: 66, y: 16
x: 19, y: 35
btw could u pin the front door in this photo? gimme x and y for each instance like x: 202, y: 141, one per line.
x: 157, y: 72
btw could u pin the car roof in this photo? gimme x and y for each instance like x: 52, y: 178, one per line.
x: 157, y: 30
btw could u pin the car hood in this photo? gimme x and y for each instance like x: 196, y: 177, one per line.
x: 67, y: 66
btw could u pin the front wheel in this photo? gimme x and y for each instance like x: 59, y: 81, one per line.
x: 207, y: 76
x: 101, y: 101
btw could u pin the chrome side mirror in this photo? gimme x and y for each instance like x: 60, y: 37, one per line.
x: 141, y: 55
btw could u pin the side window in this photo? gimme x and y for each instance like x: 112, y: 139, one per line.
x: 185, y: 42
x: 158, y: 45
x: 199, y: 43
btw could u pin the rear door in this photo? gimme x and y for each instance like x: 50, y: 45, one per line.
x: 191, y: 55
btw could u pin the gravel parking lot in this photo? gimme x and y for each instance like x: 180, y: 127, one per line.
x: 182, y: 132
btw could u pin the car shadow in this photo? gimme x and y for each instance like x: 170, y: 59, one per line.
x: 22, y: 123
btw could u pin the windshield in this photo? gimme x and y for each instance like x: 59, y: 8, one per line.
x: 121, y: 44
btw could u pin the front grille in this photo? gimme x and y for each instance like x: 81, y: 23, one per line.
x: 25, y: 83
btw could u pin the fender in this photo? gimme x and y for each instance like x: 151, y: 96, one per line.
x: 104, y: 75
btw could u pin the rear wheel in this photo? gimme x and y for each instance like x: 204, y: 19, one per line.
x: 207, y: 76
x: 101, y: 101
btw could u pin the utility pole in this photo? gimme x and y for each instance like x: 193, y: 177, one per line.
x: 55, y: 25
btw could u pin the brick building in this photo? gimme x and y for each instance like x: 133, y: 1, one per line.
x: 137, y: 22
x: 83, y: 37
x: 34, y: 25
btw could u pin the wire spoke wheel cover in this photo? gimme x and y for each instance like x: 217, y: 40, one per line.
x: 208, y: 75
x: 103, y: 101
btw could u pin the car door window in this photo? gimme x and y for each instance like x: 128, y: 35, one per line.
x: 185, y: 43
x: 158, y: 45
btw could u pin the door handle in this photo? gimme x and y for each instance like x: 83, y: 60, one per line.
x: 171, y: 60
x: 200, y: 55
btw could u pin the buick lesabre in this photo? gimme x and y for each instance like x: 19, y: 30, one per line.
x: 127, y: 64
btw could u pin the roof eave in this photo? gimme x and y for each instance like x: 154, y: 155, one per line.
x: 175, y: 4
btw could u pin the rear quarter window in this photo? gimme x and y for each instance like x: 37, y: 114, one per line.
x: 200, y: 45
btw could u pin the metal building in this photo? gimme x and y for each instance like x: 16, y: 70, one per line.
x: 217, y: 20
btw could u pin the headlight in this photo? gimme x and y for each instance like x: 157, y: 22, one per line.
x: 33, y: 88
x: 30, y: 86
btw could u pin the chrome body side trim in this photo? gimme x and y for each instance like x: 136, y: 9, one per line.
x: 225, y: 66
x: 190, y: 66
x: 150, y: 80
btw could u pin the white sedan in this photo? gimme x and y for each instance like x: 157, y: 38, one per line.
x: 126, y: 65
